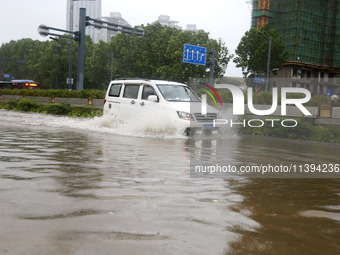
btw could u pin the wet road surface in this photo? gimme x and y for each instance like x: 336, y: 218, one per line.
x: 70, y: 186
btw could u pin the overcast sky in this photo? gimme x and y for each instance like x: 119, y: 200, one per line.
x: 226, y: 19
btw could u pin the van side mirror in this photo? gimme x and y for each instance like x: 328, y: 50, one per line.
x: 153, y: 98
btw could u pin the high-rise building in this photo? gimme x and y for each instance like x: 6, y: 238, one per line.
x: 93, y: 9
x: 310, y: 30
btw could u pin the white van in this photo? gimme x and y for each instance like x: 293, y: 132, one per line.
x: 173, y: 104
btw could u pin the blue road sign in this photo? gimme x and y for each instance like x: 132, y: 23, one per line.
x: 259, y: 79
x: 329, y: 92
x: 194, y: 54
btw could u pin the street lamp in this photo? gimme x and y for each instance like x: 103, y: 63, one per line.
x: 269, y: 51
x: 43, y: 30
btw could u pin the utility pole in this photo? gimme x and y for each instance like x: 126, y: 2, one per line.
x: 268, y: 63
x: 111, y: 66
x: 269, y: 52
x: 212, y: 66
x: 70, y: 50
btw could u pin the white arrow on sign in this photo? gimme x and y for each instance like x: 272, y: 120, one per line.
x: 202, y: 56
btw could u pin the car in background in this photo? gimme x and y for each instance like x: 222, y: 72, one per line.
x: 25, y: 84
x: 19, y: 84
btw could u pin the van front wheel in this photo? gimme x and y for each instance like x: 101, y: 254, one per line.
x: 189, y: 132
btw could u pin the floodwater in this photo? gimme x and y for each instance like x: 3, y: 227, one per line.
x: 79, y: 186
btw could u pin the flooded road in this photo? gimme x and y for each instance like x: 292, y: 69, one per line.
x: 77, y: 186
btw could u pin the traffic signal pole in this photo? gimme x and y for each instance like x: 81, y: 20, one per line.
x: 81, y: 49
x: 80, y: 37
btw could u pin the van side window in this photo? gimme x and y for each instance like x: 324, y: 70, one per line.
x: 148, y: 91
x: 115, y: 90
x: 131, y: 91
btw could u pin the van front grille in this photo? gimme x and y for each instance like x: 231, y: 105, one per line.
x: 209, y: 117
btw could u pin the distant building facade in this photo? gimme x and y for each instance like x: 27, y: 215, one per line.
x: 164, y: 20
x: 191, y: 27
x: 106, y: 35
x: 93, y: 9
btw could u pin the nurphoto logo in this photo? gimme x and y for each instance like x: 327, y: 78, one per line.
x: 239, y: 104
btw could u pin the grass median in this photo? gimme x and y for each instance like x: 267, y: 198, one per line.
x: 28, y: 105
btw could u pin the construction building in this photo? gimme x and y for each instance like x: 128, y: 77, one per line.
x: 310, y: 29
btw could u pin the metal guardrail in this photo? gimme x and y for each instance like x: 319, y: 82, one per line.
x: 292, y: 111
x: 336, y: 112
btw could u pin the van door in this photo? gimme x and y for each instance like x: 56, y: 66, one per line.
x: 135, y: 104
x: 113, y: 101
x: 151, y: 108
x: 155, y: 113
x: 130, y: 101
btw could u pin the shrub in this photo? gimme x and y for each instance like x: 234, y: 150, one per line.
x: 85, y: 112
x: 27, y: 105
x: 59, y: 109
x: 9, y: 105
x: 85, y: 93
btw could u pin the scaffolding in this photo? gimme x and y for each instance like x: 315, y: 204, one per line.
x: 262, y: 14
x: 310, y: 29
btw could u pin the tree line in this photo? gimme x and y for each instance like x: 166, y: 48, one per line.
x: 157, y: 55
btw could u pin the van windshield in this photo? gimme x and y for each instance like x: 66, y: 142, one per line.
x: 176, y: 93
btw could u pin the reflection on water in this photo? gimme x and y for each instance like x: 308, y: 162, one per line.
x: 92, y: 192
x: 79, y: 192
x: 282, y: 208
x: 214, y: 157
x: 295, y: 215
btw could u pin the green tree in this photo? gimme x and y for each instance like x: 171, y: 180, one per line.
x: 18, y: 50
x: 50, y: 64
x: 252, y: 51
x: 98, y: 66
x: 159, y: 54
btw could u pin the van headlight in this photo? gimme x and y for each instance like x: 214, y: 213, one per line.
x: 185, y: 115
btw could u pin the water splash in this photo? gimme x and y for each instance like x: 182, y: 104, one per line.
x: 139, y: 127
